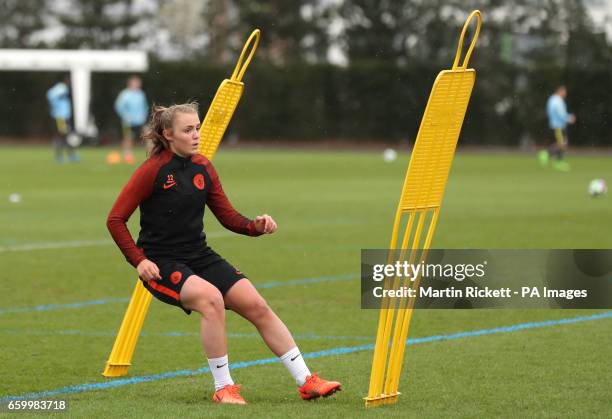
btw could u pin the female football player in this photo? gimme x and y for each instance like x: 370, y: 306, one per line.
x: 174, y: 261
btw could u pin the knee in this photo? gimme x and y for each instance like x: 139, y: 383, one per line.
x: 259, y: 310
x: 210, y: 304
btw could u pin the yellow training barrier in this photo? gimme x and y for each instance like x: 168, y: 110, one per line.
x: 418, y: 210
x: 211, y: 133
x: 225, y: 101
x: 121, y: 355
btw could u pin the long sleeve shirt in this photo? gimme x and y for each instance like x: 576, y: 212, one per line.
x: 171, y: 192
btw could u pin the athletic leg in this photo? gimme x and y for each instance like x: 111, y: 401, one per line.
x: 59, y: 141
x: 71, y: 151
x: 561, y: 147
x: 57, y: 149
x: 557, y: 146
x: 553, y: 150
x: 127, y: 144
x: 244, y: 299
x: 200, y: 295
x: 563, y: 144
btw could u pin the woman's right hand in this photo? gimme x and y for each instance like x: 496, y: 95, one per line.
x: 148, y: 271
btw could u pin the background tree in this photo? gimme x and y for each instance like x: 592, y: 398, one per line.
x: 20, y: 22
x: 294, y: 30
x: 180, y: 29
x: 99, y: 24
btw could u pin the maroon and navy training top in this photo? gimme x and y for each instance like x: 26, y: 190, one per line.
x: 171, y: 192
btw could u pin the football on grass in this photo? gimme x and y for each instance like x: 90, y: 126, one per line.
x: 598, y: 187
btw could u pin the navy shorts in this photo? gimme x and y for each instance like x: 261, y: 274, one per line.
x: 174, y: 271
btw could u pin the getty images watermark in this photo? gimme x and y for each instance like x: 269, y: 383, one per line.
x: 490, y: 278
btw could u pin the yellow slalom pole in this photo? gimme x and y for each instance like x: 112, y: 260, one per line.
x: 396, y: 341
x: 379, y: 350
x: 387, y: 313
x: 422, y: 194
x: 395, y: 372
x: 211, y: 133
x: 125, y: 343
x: 225, y: 101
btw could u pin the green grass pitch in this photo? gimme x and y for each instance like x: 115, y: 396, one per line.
x: 328, y: 206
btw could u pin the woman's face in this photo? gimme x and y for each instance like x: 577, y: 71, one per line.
x: 184, y: 137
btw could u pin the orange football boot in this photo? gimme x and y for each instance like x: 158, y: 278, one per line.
x: 229, y: 394
x: 315, y: 387
x: 129, y: 159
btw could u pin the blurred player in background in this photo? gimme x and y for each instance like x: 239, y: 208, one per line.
x: 61, y: 111
x: 558, y: 119
x: 131, y: 106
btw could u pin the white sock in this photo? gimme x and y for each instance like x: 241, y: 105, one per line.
x: 219, y: 367
x: 294, y: 362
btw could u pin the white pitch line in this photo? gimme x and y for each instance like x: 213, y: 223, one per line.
x: 54, y: 245
x: 28, y: 247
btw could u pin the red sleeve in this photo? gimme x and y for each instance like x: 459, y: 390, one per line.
x: 220, y: 205
x: 138, y: 188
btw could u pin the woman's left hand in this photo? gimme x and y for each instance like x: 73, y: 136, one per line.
x: 265, y: 224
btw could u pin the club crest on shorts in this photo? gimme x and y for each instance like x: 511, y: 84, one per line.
x: 198, y: 181
x: 175, y: 277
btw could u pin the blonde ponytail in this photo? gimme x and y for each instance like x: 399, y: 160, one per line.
x: 162, y: 118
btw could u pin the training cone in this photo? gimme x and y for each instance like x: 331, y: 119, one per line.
x: 113, y: 158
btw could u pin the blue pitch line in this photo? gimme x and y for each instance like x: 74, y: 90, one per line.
x: 273, y: 284
x: 310, y: 355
